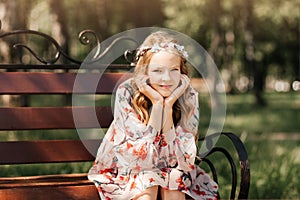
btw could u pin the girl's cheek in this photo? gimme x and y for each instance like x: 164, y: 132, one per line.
x: 154, y: 79
x: 176, y: 77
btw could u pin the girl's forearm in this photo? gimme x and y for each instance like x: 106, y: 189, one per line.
x: 167, y: 122
x: 161, y: 117
x: 156, y: 116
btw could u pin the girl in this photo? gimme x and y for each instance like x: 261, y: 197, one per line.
x: 149, y: 149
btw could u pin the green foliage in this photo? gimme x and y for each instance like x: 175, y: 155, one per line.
x: 275, y: 27
x: 275, y: 33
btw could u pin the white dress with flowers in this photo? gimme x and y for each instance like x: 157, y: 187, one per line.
x: 133, y: 157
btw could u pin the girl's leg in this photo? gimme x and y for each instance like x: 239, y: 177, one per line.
x: 171, y: 194
x: 148, y: 194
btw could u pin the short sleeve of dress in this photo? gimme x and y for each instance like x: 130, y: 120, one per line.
x: 133, y: 140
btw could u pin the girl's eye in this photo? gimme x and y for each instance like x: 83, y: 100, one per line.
x: 156, y: 70
x: 175, y: 69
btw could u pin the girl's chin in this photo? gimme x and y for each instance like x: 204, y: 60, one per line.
x: 165, y: 94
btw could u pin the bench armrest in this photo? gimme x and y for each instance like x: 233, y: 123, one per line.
x: 243, y: 161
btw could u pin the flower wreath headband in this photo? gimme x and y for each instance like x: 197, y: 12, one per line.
x: 162, y: 47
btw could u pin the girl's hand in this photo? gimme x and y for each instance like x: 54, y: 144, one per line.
x: 146, y: 89
x: 182, y: 86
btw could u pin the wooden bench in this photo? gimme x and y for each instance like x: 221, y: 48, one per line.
x: 62, y: 186
x: 67, y: 186
x: 53, y: 80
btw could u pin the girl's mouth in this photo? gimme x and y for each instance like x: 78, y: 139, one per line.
x: 165, y: 86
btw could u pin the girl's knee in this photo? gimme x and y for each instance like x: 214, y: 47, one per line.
x: 148, y: 194
x: 172, y: 194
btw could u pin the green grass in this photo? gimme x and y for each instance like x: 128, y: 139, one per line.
x: 275, y: 171
x: 280, y: 115
x: 274, y: 160
x: 271, y: 135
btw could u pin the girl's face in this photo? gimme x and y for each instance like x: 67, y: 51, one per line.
x: 164, y: 72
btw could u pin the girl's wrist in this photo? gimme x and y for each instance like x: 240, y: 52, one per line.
x: 168, y: 104
x: 158, y: 102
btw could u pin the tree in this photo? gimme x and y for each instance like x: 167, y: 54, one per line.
x: 254, y: 39
x: 12, y: 20
x: 60, y: 30
x: 259, y: 72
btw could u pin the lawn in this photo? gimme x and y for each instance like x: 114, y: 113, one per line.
x: 271, y: 135
x: 272, y: 138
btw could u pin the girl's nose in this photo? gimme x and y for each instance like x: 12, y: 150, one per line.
x: 166, y: 76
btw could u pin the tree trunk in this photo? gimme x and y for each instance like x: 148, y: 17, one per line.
x: 216, y: 38
x: 61, y: 34
x: 60, y: 31
x: 228, y: 61
x: 13, y: 18
x: 259, y: 77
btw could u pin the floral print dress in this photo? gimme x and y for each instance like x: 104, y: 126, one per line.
x: 133, y: 156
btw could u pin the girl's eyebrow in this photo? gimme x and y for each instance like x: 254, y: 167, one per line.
x: 163, y: 67
x: 156, y: 68
x: 175, y: 66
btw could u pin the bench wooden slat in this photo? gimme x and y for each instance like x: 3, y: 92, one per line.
x: 58, y: 83
x: 47, y: 151
x: 73, y: 192
x: 32, y: 118
x: 99, y: 66
x: 43, y: 180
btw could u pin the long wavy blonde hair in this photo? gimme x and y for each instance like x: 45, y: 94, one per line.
x: 182, y: 108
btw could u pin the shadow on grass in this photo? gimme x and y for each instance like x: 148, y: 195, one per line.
x: 280, y: 115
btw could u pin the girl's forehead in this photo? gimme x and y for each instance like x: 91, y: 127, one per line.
x: 165, y: 59
x: 161, y: 66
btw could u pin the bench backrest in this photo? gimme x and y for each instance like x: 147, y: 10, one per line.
x: 39, y: 118
x: 50, y: 117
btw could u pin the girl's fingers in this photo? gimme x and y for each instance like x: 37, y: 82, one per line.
x: 185, y: 79
x: 146, y: 89
x: 141, y: 81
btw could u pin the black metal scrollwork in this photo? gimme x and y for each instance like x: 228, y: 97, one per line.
x: 84, y: 38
